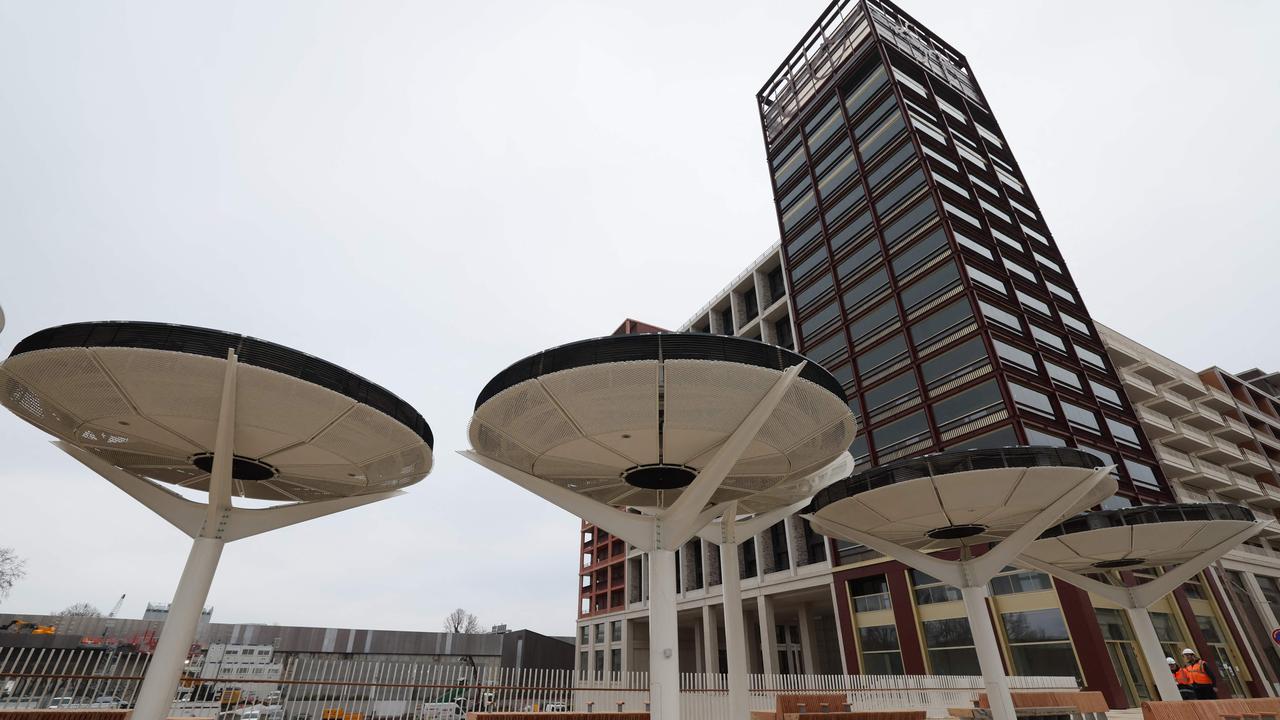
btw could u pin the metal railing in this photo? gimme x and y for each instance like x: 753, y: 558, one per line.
x: 342, y: 688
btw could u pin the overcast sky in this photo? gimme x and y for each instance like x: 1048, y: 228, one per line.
x: 426, y: 192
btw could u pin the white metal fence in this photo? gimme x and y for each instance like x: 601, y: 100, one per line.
x: 327, y: 688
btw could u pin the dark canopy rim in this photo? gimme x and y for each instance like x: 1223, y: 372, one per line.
x: 1147, y: 515
x: 215, y: 343
x: 658, y: 346
x: 953, y: 461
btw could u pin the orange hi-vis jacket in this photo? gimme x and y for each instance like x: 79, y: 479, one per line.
x: 1181, y: 676
x: 1198, y: 673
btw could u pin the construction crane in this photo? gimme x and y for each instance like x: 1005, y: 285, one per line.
x: 116, y: 608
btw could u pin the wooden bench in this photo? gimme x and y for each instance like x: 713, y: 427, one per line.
x: 55, y: 714
x: 1089, y: 705
x: 1252, y: 708
x: 557, y: 715
x: 828, y: 706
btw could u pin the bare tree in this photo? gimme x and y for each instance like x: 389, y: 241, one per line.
x: 80, y: 609
x: 461, y: 621
x: 12, y: 569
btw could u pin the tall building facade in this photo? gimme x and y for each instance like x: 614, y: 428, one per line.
x: 915, y: 265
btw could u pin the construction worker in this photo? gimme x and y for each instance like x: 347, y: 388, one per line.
x: 1182, y: 679
x: 1201, y: 675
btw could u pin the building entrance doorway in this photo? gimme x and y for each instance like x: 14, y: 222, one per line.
x: 1122, y: 649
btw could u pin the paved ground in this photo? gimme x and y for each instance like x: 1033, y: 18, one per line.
x: 1126, y: 714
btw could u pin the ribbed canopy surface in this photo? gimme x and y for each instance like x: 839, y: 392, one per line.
x: 146, y: 396
x: 955, y: 499
x: 584, y: 415
x: 1138, y: 537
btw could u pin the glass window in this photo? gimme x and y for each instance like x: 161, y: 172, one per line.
x: 909, y: 82
x: 821, y: 319
x: 777, y: 288
x: 900, y: 228
x: 887, y: 201
x: 950, y: 645
x: 875, y: 283
x: 1048, y: 338
x: 804, y: 239
x: 890, y: 165
x: 895, y: 391
x: 870, y: 594
x: 1080, y: 417
x: 969, y: 155
x: 825, y: 349
x: 1106, y: 457
x: 1014, y: 355
x: 1142, y: 474
x: 615, y: 630
x: 1000, y: 438
x: 599, y: 632
x: 878, y: 318
x: 927, y: 127
x: 1063, y: 375
x: 1123, y: 433
x: 1022, y: 581
x: 856, y: 100
x: 966, y: 406
x: 1047, y: 262
x: 1007, y: 240
x: 930, y: 590
x: 989, y: 281
x: 1031, y: 301
x: 1104, y: 393
x: 585, y: 634
x: 615, y: 660
x: 1090, y: 357
x: 939, y: 158
x: 945, y: 319
x: 988, y: 135
x: 824, y: 124
x: 799, y: 211
x: 844, y: 169
x: 1035, y: 437
x: 1060, y: 292
x: 881, y: 136
x: 1022, y: 209
x: 900, y: 432
x: 793, y: 145
x: 844, y: 375
x: 1030, y: 399
x: 977, y: 182
x: 1033, y: 234
x: 1009, y: 180
x: 858, y: 259
x: 935, y: 283
x: 1038, y: 643
x: 1000, y: 317
x: 880, y: 654
x: 950, y: 109
x: 944, y: 182
x: 1020, y: 271
x: 883, y: 354
x: 962, y: 214
x: 1074, y: 324
x: 837, y: 210
x: 853, y: 230
x: 926, y: 249
x: 794, y: 194
x: 782, y: 331
x: 954, y: 362
x: 805, y: 297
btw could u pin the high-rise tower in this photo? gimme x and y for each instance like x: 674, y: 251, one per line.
x: 922, y: 272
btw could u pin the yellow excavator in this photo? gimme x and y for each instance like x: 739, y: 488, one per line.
x: 23, y: 626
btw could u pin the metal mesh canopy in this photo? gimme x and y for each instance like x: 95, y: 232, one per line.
x: 957, y: 498
x: 630, y: 419
x: 145, y: 397
x: 1136, y: 537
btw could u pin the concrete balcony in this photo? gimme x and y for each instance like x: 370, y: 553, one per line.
x: 1203, y: 418
x: 1223, y: 452
x: 1186, y: 384
x: 1217, y: 399
x: 1170, y: 403
x: 1188, y: 439
x: 1270, y: 498
x: 1156, y: 424
x: 1156, y: 372
x: 1176, y: 465
x: 1234, y: 430
x: 1138, y: 388
x: 1209, y: 476
x: 1122, y: 351
x: 1250, y: 462
x: 1189, y: 495
x: 1242, y: 487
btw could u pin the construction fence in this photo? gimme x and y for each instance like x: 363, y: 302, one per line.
x: 344, y: 688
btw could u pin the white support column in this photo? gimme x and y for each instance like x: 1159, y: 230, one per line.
x: 160, y: 684
x: 768, y: 634
x: 735, y: 634
x: 628, y: 645
x: 988, y: 648
x: 699, y: 646
x: 805, y: 621
x: 710, y: 640
x: 664, y: 651
x: 1261, y: 605
x: 1149, y: 643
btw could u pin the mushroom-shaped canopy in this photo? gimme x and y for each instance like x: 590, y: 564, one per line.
x: 959, y: 497
x: 1138, y: 537
x: 629, y: 420
x: 146, y: 397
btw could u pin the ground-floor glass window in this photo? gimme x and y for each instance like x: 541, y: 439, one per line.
x: 880, y: 652
x: 950, y: 644
x: 1039, y: 643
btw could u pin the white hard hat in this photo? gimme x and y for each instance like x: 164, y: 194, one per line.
x: 1171, y: 661
x: 1188, y: 651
